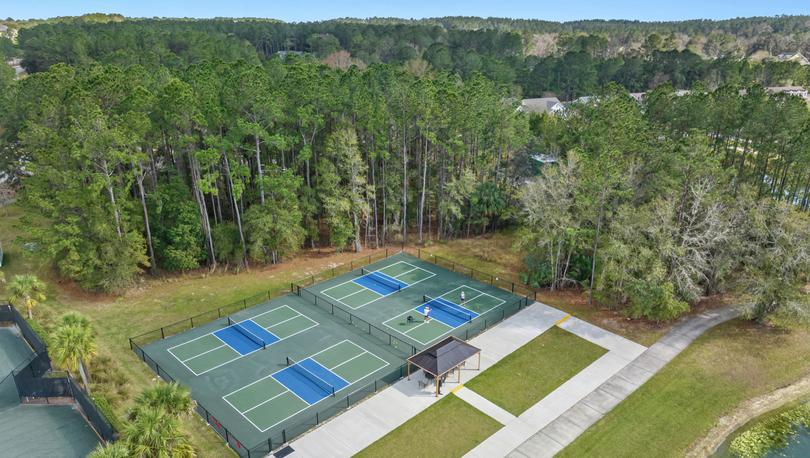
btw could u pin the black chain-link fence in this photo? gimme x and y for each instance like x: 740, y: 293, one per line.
x: 275, y: 441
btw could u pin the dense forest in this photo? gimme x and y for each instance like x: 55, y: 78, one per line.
x: 158, y: 145
x: 571, y: 64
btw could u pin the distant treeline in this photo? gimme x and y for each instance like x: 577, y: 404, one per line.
x: 576, y: 64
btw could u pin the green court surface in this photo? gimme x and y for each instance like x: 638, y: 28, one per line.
x: 266, y: 402
x: 352, y: 333
x: 208, y: 352
x: 426, y: 332
x: 354, y: 295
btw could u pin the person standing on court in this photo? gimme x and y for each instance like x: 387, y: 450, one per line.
x: 462, y: 296
x: 427, y: 314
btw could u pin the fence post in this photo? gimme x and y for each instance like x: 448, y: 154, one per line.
x: 244, y: 303
x: 130, y: 344
x: 283, y: 435
x: 162, y: 334
x: 386, y: 252
x: 192, y: 321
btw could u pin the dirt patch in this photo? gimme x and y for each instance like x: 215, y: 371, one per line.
x: 746, y: 412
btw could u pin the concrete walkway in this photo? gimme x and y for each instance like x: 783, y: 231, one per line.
x: 621, y: 352
x: 564, y: 429
x: 372, y: 419
x: 484, y: 405
x: 360, y: 426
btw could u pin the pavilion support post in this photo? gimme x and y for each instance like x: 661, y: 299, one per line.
x: 479, y: 362
x: 409, y: 370
x: 458, y: 370
x: 437, y: 386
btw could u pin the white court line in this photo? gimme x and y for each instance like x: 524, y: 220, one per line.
x: 344, y: 362
x: 314, y: 323
x: 449, y: 328
x: 250, y: 318
x: 324, y: 292
x: 386, y: 363
x: 205, y: 352
x: 263, y: 403
x: 356, y: 292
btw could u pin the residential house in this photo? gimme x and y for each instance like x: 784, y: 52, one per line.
x: 550, y: 105
x: 792, y: 90
x: 793, y: 57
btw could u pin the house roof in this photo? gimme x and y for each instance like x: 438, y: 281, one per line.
x: 3, y: 27
x: 793, y: 56
x: 444, y: 356
x: 539, y: 105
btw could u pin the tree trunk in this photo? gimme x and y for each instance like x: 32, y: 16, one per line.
x: 404, y: 186
x: 153, y: 261
x: 237, y: 213
x: 424, y: 188
x: 203, y: 207
x: 259, y: 170
x: 111, y: 193
x: 385, y: 207
x: 595, y: 246
x: 85, y: 376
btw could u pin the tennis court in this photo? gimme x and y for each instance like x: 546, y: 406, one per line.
x: 373, y: 285
x: 240, y: 338
x: 264, y: 374
x: 448, y: 312
x: 270, y: 400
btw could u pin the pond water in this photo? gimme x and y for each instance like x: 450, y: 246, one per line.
x: 798, y: 445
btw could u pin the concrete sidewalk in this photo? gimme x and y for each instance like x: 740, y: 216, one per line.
x: 620, y: 353
x: 564, y: 429
x: 363, y: 424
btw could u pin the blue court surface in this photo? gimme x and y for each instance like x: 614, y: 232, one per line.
x: 310, y: 381
x: 246, y: 336
x: 380, y: 283
x: 447, y: 312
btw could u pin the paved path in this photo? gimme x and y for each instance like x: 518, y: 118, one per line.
x: 564, y: 429
x: 484, y: 405
x: 360, y: 426
x: 621, y: 352
x: 372, y: 419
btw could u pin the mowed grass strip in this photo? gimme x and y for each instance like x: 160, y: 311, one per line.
x: 448, y: 428
x: 526, y: 376
x: 679, y: 405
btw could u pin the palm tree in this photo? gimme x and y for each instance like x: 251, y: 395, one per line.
x: 73, y: 345
x: 155, y: 433
x: 172, y: 397
x: 112, y: 450
x: 27, y: 290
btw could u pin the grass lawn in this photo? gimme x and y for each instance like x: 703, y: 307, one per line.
x: 526, y: 376
x: 152, y: 303
x: 448, y: 428
x: 729, y: 364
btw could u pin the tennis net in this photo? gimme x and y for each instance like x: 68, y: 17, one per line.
x: 327, y: 387
x: 449, y: 307
x: 381, y: 279
x: 241, y: 329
